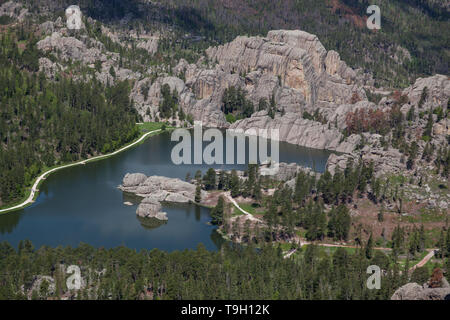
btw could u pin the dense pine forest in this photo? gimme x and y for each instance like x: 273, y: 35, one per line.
x: 319, y: 208
x: 232, y: 273
x: 43, y: 123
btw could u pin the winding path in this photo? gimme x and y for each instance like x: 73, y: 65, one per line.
x: 423, y: 261
x: 289, y: 253
x: 420, y: 264
x: 249, y: 215
x: 34, y: 189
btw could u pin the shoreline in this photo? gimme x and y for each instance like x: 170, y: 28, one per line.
x: 33, y: 193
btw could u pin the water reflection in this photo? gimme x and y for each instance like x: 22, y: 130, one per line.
x: 9, y: 221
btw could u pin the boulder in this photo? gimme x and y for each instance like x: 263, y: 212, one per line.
x: 150, y: 45
x: 70, y: 48
x: 413, y: 291
x: 134, y: 179
x: 438, y: 91
x: 284, y: 171
x: 49, y: 68
x: 442, y: 128
x: 47, y: 28
x: 160, y: 188
x: 13, y: 10
x: 151, y: 208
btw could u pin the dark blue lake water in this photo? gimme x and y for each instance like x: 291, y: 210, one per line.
x: 83, y: 204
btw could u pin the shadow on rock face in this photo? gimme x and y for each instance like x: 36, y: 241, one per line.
x: 447, y: 297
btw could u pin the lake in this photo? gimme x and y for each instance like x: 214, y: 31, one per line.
x: 83, y: 204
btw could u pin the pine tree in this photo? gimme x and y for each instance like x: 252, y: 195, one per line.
x: 380, y: 216
x: 222, y: 182
x: 217, y: 213
x: 369, y: 248
x: 420, y: 275
x: 112, y: 72
x: 234, y: 184
x: 447, y: 244
x: 198, y: 176
x: 422, y: 238
x: 198, y: 194
x: 429, y: 127
x: 209, y: 179
x: 257, y: 193
x: 441, y: 245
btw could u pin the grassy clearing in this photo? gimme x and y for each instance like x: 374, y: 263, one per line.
x: 323, y: 251
x: 237, y: 212
x: 285, y: 246
x: 248, y: 207
x: 252, y: 208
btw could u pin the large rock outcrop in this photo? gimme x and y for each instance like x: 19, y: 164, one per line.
x: 294, y: 129
x: 13, y: 10
x: 150, y: 45
x: 296, y: 60
x: 71, y: 48
x: 292, y: 66
x: 74, y: 18
x: 86, y: 50
x: 438, y: 87
x: 133, y: 180
x: 157, y: 189
x: 413, y: 291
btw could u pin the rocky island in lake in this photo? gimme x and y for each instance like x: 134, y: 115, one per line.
x: 157, y: 189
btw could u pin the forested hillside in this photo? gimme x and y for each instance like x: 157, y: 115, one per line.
x: 232, y: 273
x: 406, y: 47
x: 340, y: 25
x: 44, y: 123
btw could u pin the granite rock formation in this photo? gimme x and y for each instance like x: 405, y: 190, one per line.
x: 157, y: 189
